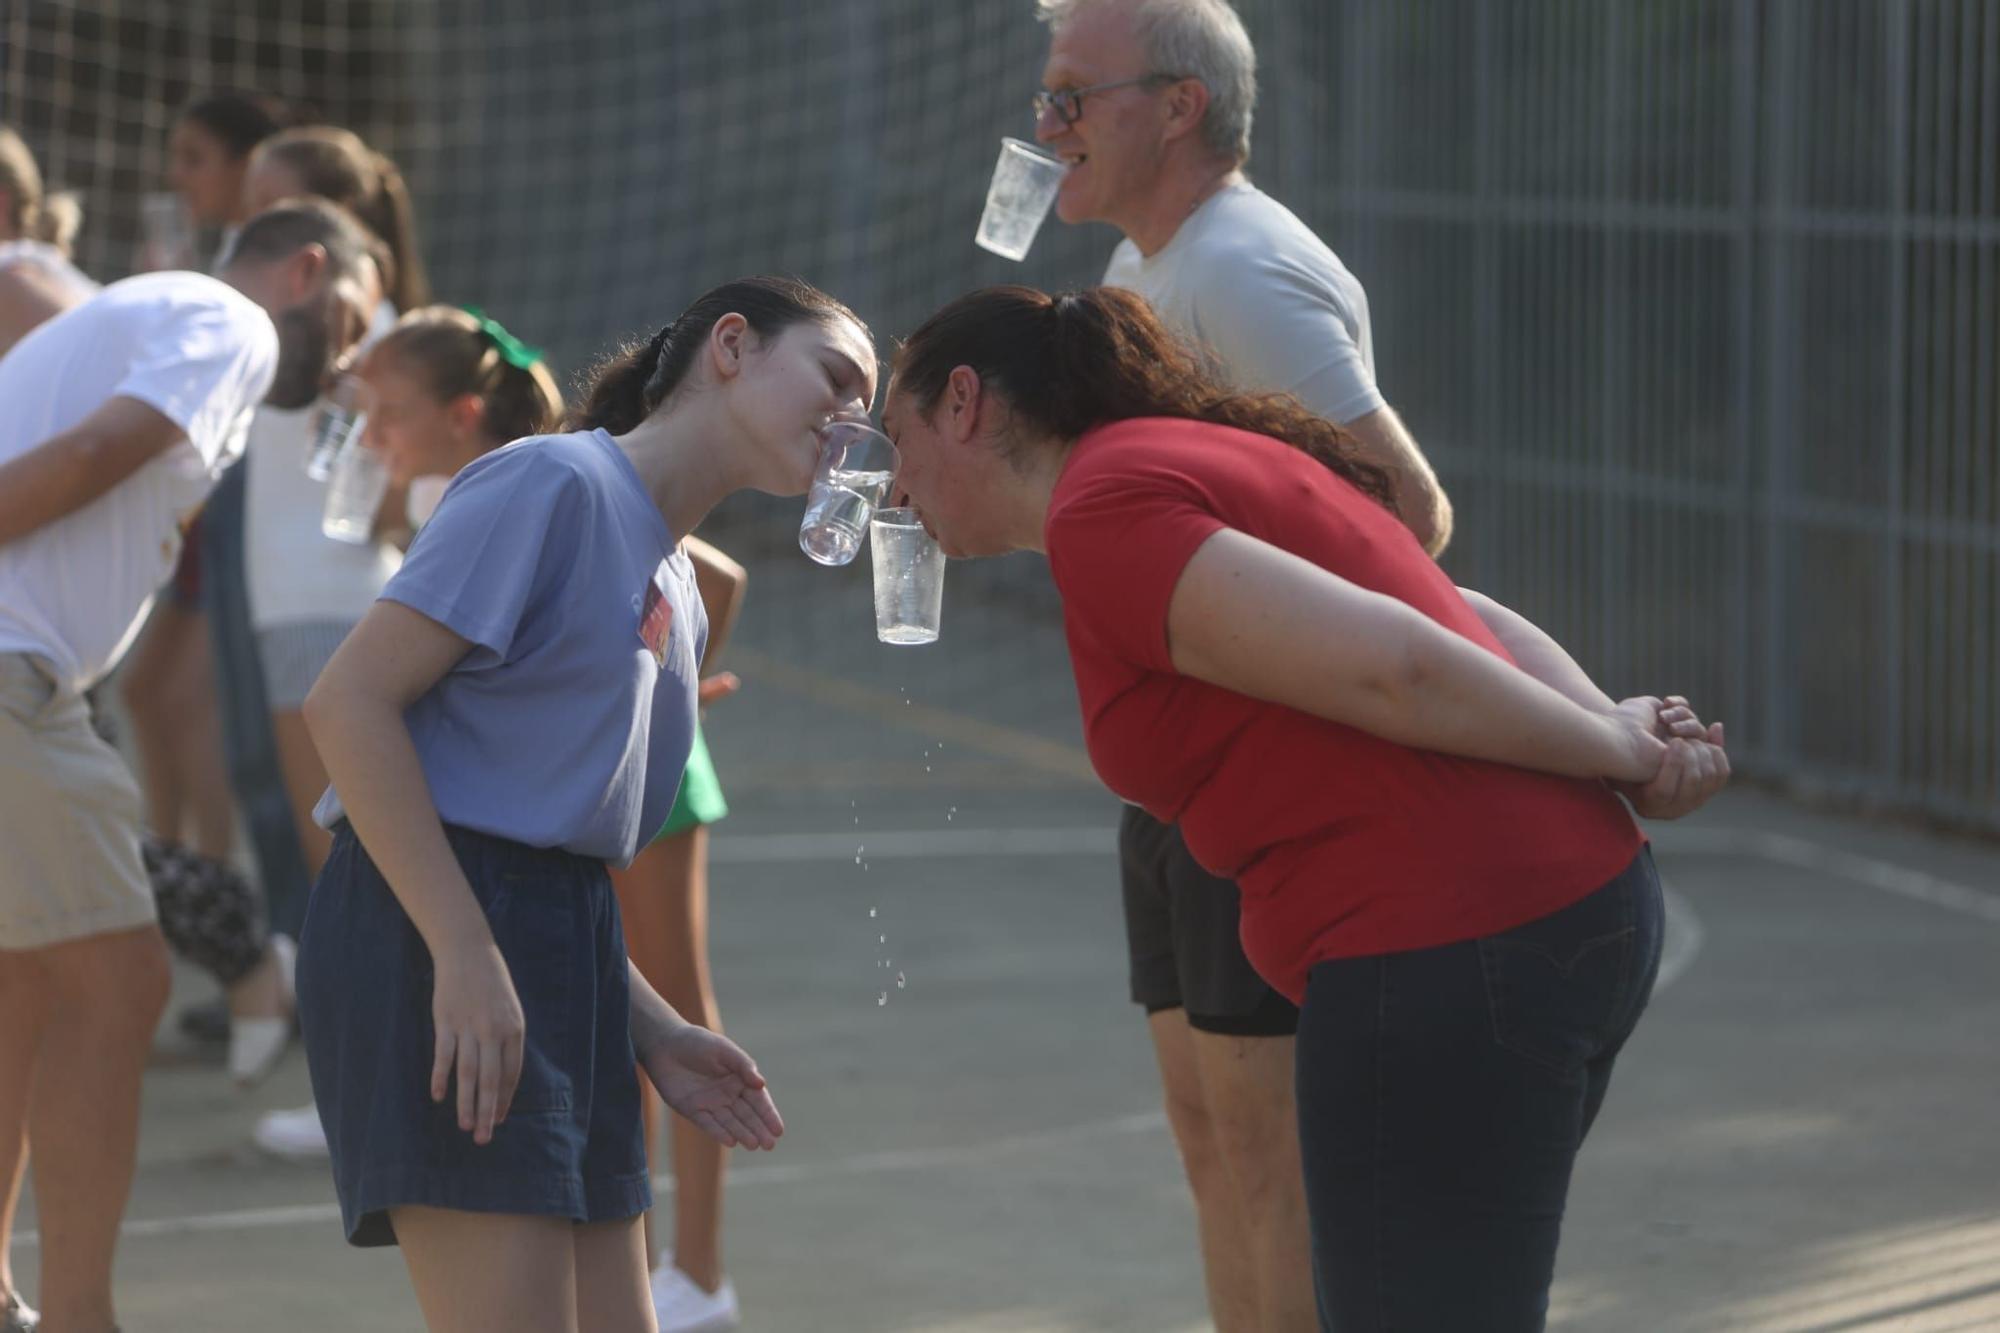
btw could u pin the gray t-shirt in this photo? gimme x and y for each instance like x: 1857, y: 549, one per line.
x: 1273, y: 307
x: 570, y: 720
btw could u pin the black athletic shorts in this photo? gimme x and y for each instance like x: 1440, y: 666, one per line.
x: 1181, y: 926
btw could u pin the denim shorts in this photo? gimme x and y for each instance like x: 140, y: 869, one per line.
x: 572, y: 1144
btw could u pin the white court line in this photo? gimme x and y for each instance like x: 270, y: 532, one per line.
x: 1684, y: 934
x: 1683, y: 938
x: 740, y: 1177
x: 936, y: 844
x: 1916, y: 885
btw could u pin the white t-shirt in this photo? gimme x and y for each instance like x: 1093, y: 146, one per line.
x: 294, y: 571
x: 75, y: 591
x: 46, y: 258
x: 1273, y: 307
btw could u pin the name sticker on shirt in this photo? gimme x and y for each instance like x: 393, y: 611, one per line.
x: 656, y: 617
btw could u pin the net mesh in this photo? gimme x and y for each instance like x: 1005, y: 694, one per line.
x: 1690, y: 302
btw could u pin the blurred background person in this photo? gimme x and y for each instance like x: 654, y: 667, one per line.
x: 280, y: 594
x: 37, y: 279
x: 120, y: 413
x: 334, y: 163
x: 208, y: 151
x: 168, y: 682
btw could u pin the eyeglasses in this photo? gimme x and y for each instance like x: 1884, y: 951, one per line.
x: 1067, y: 105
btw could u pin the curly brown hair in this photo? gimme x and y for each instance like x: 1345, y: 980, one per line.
x: 1069, y: 363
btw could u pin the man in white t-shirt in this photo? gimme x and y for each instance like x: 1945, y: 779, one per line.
x: 119, y: 414
x: 1150, y: 102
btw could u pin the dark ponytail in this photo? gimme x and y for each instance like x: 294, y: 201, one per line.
x: 625, y: 388
x: 614, y: 399
x: 1069, y: 363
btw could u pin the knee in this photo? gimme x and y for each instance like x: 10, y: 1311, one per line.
x: 1194, y: 1132
x: 1259, y: 1145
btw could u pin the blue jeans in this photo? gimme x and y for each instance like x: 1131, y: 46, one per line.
x: 1443, y: 1094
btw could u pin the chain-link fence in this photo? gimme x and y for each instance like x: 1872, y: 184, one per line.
x: 1692, y: 301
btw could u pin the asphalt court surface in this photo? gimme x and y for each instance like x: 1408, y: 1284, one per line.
x: 1799, y: 1137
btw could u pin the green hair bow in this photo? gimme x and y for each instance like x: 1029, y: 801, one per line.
x: 512, y: 350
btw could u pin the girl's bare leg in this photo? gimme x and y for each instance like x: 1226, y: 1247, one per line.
x: 492, y: 1272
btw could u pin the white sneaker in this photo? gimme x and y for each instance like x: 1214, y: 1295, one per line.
x: 296, y: 1134
x: 255, y: 1044
x: 683, y: 1307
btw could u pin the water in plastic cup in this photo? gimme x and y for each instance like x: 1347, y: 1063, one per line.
x: 909, y: 578
x: 166, y: 232
x: 856, y: 466
x: 1025, y: 181
x: 354, y: 493
x: 338, y: 419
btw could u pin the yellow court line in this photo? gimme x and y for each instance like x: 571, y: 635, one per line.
x: 989, y: 738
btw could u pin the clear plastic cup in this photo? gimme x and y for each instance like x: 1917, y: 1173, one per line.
x: 166, y: 232
x: 341, y: 416
x: 857, y: 464
x: 354, y: 494
x: 909, y: 577
x: 1025, y: 181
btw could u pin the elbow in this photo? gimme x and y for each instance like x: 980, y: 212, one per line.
x: 1391, y: 690
x: 1428, y: 512
x: 322, y: 707
x: 1439, y: 536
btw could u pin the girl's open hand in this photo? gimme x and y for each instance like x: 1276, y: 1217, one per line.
x: 710, y: 1080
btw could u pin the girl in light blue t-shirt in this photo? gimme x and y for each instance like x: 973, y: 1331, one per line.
x: 512, y: 717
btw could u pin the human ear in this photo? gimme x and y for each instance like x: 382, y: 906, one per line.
x: 467, y: 413
x: 306, y: 269
x: 1187, y: 103
x: 962, y: 393
x: 727, y: 343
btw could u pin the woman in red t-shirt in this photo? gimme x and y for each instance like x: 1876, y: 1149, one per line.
x: 1409, y: 782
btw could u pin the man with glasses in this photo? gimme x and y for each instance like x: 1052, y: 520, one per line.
x: 1149, y: 102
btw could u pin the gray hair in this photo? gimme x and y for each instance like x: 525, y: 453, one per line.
x: 1202, y: 39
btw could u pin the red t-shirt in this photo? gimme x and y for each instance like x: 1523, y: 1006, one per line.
x: 1343, y: 844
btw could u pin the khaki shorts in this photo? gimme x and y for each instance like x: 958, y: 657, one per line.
x: 70, y: 818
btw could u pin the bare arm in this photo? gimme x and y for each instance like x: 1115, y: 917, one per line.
x: 1696, y: 766
x: 1538, y: 654
x: 720, y: 581
x: 70, y: 470
x: 355, y: 714
x: 1386, y: 442
x: 1258, y: 620
x: 702, y: 1075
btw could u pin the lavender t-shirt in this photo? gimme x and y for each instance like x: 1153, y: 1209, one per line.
x: 569, y: 722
